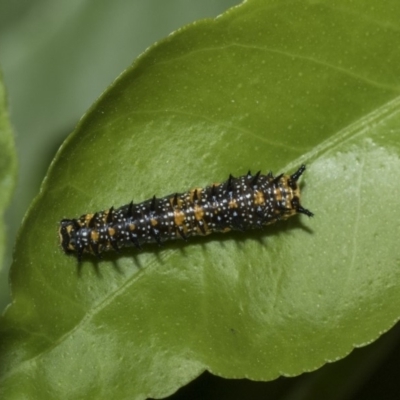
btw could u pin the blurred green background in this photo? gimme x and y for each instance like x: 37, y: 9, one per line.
x: 57, y: 57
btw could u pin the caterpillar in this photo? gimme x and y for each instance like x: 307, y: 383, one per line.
x: 246, y: 202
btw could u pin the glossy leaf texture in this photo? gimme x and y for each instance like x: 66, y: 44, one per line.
x: 8, y: 165
x: 268, y: 85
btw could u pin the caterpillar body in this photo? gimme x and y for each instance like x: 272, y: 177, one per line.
x: 246, y: 202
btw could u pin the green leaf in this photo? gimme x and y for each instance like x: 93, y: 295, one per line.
x: 268, y: 85
x: 8, y: 165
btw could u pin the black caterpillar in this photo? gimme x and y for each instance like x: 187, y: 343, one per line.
x: 247, y: 202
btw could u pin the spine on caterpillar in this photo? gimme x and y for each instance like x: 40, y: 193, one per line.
x: 246, y: 202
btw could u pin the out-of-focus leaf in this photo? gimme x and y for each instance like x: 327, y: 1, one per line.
x: 8, y: 164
